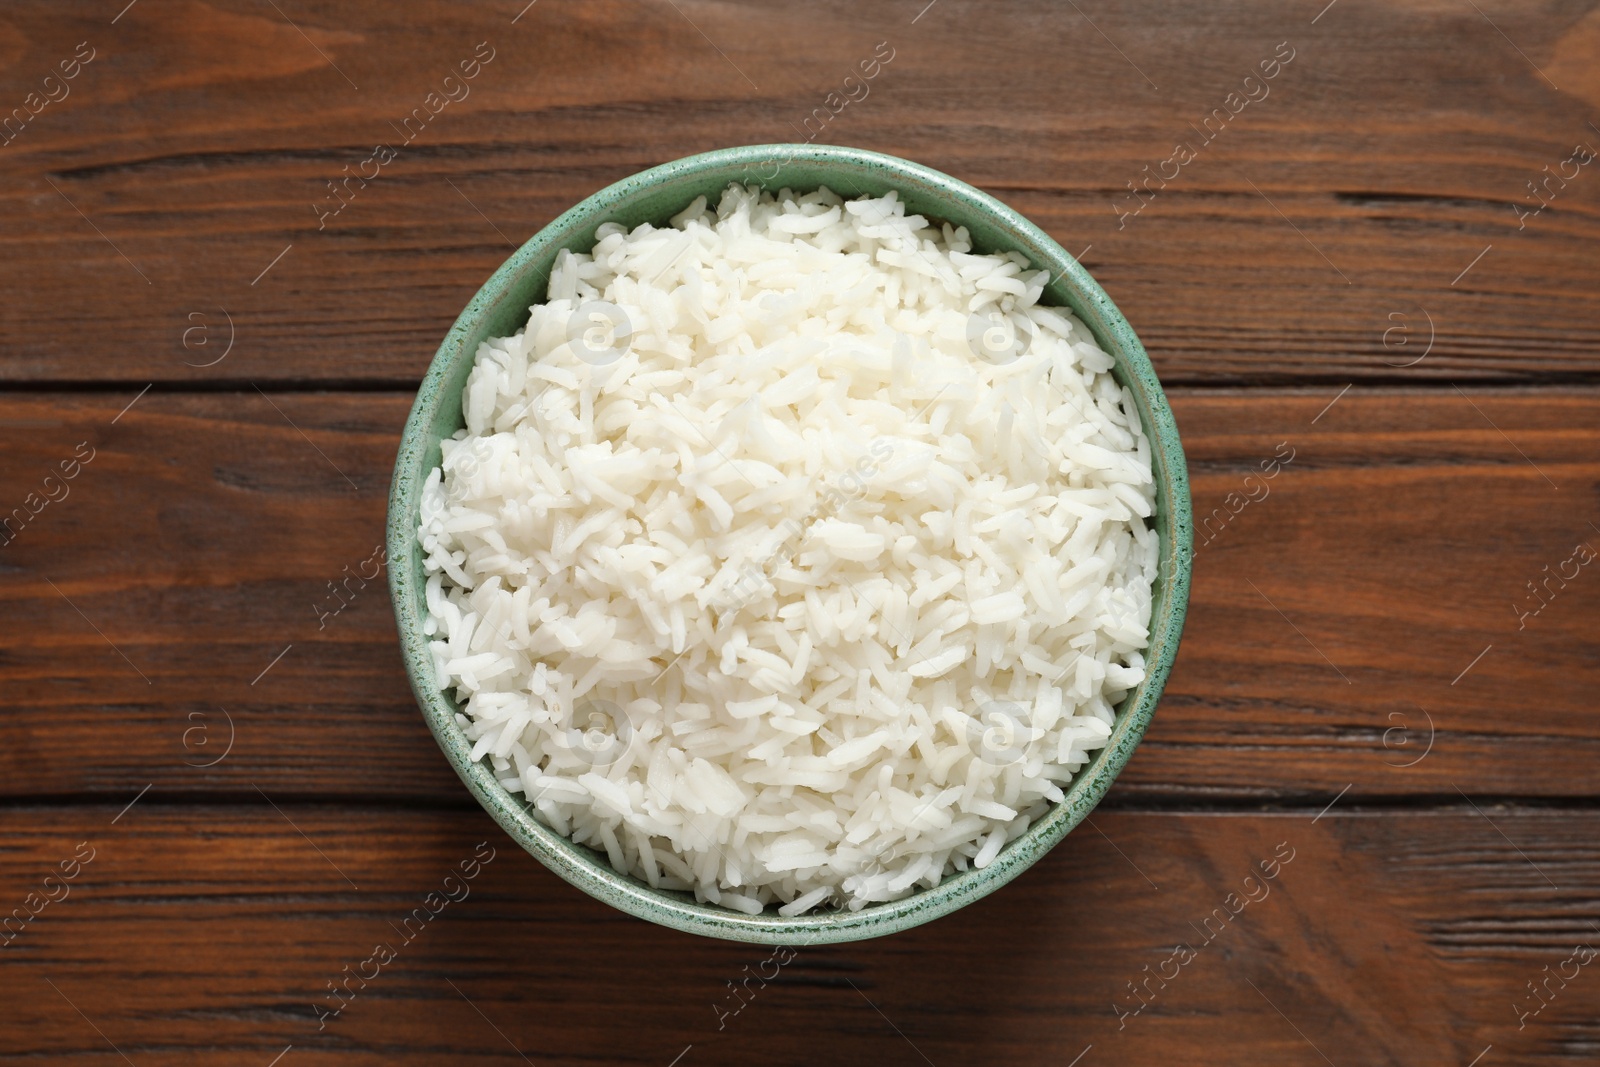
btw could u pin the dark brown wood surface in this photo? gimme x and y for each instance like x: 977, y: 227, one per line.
x: 200, y: 934
x: 1342, y: 274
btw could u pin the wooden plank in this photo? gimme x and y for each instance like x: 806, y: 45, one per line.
x: 1359, y: 622
x: 177, y: 588
x: 173, y: 189
x: 211, y: 935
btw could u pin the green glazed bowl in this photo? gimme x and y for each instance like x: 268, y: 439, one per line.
x: 500, y: 308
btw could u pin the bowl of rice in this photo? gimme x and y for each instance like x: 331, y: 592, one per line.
x: 789, y: 544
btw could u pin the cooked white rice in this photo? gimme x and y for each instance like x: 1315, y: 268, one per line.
x: 792, y: 554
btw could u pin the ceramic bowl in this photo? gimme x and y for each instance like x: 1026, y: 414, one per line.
x: 500, y: 308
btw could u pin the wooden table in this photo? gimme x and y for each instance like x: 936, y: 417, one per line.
x: 232, y: 798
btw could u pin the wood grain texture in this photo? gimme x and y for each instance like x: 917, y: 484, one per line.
x: 203, y: 935
x: 190, y: 152
x: 180, y: 585
x: 1340, y: 277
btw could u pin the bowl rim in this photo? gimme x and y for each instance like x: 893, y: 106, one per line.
x: 591, y: 872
